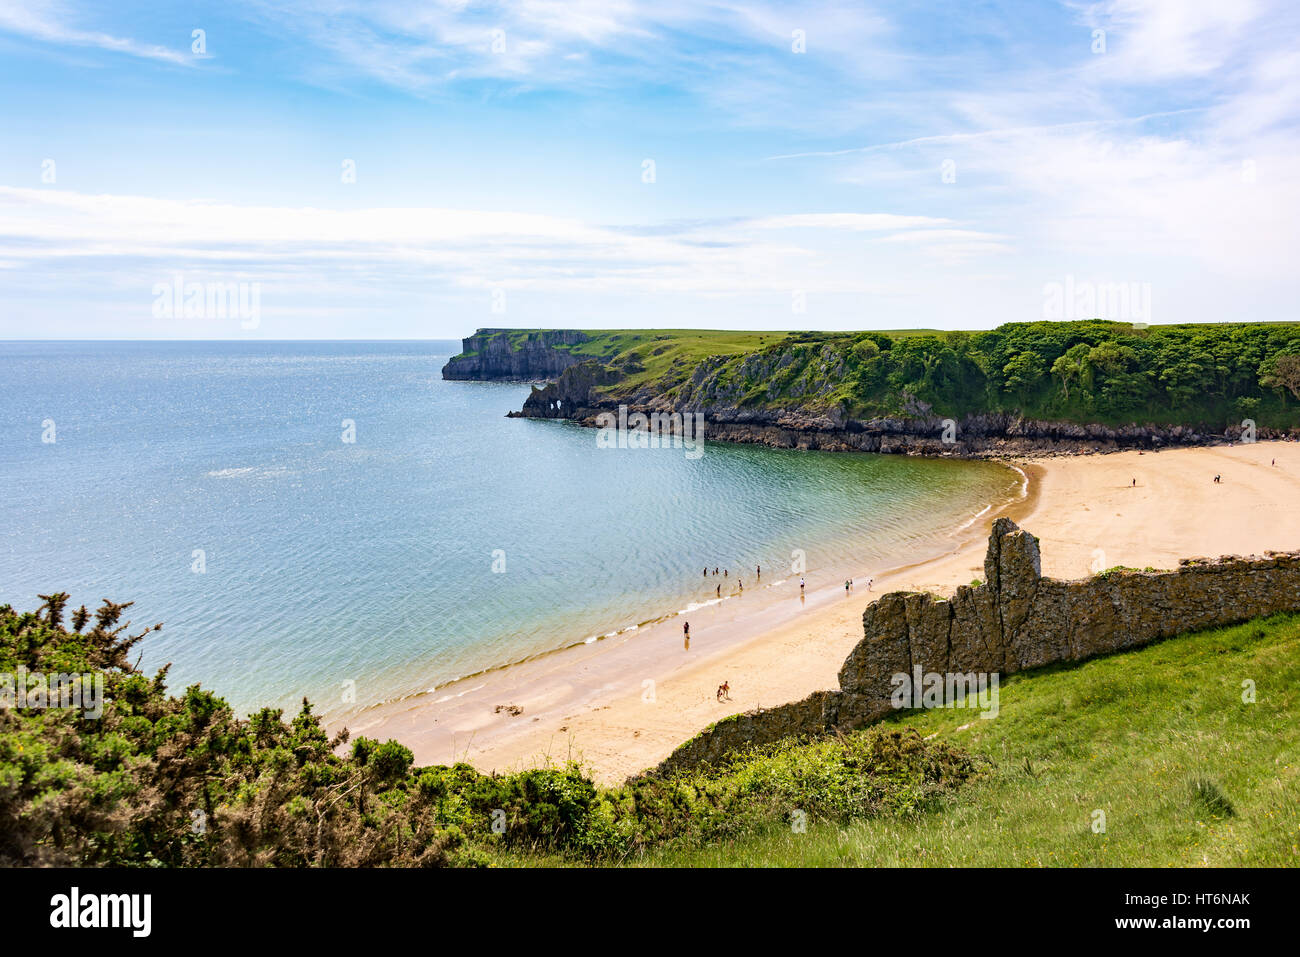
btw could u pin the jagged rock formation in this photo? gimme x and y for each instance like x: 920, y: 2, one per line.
x: 489, y: 356
x: 571, y: 393
x: 1015, y: 620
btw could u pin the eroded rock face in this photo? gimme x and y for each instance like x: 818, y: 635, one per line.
x: 1013, y: 621
x: 828, y: 428
x: 571, y: 393
x: 489, y: 356
x: 883, y: 652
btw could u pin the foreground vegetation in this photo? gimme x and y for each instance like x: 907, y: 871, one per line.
x: 1210, y: 375
x: 181, y: 781
x: 1158, y: 739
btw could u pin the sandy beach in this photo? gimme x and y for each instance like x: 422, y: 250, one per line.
x: 623, y: 704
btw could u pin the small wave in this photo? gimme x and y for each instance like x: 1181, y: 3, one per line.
x: 256, y: 471
x: 977, y: 516
x: 1024, y: 481
x: 697, y: 606
x: 449, y: 697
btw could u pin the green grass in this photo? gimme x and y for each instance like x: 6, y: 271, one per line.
x: 1212, y: 376
x: 651, y: 355
x: 1159, y: 739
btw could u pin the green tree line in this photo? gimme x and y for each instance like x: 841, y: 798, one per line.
x: 1084, y: 371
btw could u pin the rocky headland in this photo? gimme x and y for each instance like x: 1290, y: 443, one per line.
x: 490, y: 356
x: 802, y: 413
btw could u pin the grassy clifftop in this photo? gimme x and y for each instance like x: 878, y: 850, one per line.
x: 1088, y: 371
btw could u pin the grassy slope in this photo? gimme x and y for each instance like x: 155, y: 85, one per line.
x: 1206, y: 375
x: 1130, y: 734
x: 658, y: 350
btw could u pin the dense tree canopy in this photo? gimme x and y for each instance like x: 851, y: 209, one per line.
x: 1087, y: 371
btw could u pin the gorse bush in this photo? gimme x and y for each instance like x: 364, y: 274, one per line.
x: 160, y: 780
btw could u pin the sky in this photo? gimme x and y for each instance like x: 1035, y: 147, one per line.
x: 330, y: 169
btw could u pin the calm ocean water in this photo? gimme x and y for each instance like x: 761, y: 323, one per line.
x: 325, y: 560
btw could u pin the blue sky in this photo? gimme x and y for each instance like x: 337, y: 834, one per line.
x: 829, y: 166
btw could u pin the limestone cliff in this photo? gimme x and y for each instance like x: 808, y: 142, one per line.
x: 1015, y: 620
x: 919, y: 394
x: 584, y: 390
x: 500, y: 355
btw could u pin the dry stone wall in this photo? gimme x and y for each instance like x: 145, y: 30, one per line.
x: 1016, y: 619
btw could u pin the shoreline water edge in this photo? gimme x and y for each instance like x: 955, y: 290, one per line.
x: 835, y: 572
x: 622, y: 703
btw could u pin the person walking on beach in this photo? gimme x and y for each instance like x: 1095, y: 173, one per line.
x: 719, y: 591
x: 1135, y: 483
x: 741, y: 585
x: 686, y: 629
x: 869, y: 581
x: 758, y: 569
x: 801, y: 586
x: 846, y: 586
x: 724, y: 691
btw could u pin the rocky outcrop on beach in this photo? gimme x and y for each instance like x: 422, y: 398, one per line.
x: 1015, y: 620
x: 489, y: 355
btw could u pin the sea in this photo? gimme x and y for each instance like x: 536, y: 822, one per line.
x: 333, y: 520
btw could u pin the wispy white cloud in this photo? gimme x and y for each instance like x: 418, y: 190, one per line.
x: 954, y: 139
x: 454, y: 247
x: 52, y: 22
x: 1150, y: 40
x: 858, y: 222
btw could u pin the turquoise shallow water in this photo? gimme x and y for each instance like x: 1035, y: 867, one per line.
x: 373, y: 561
